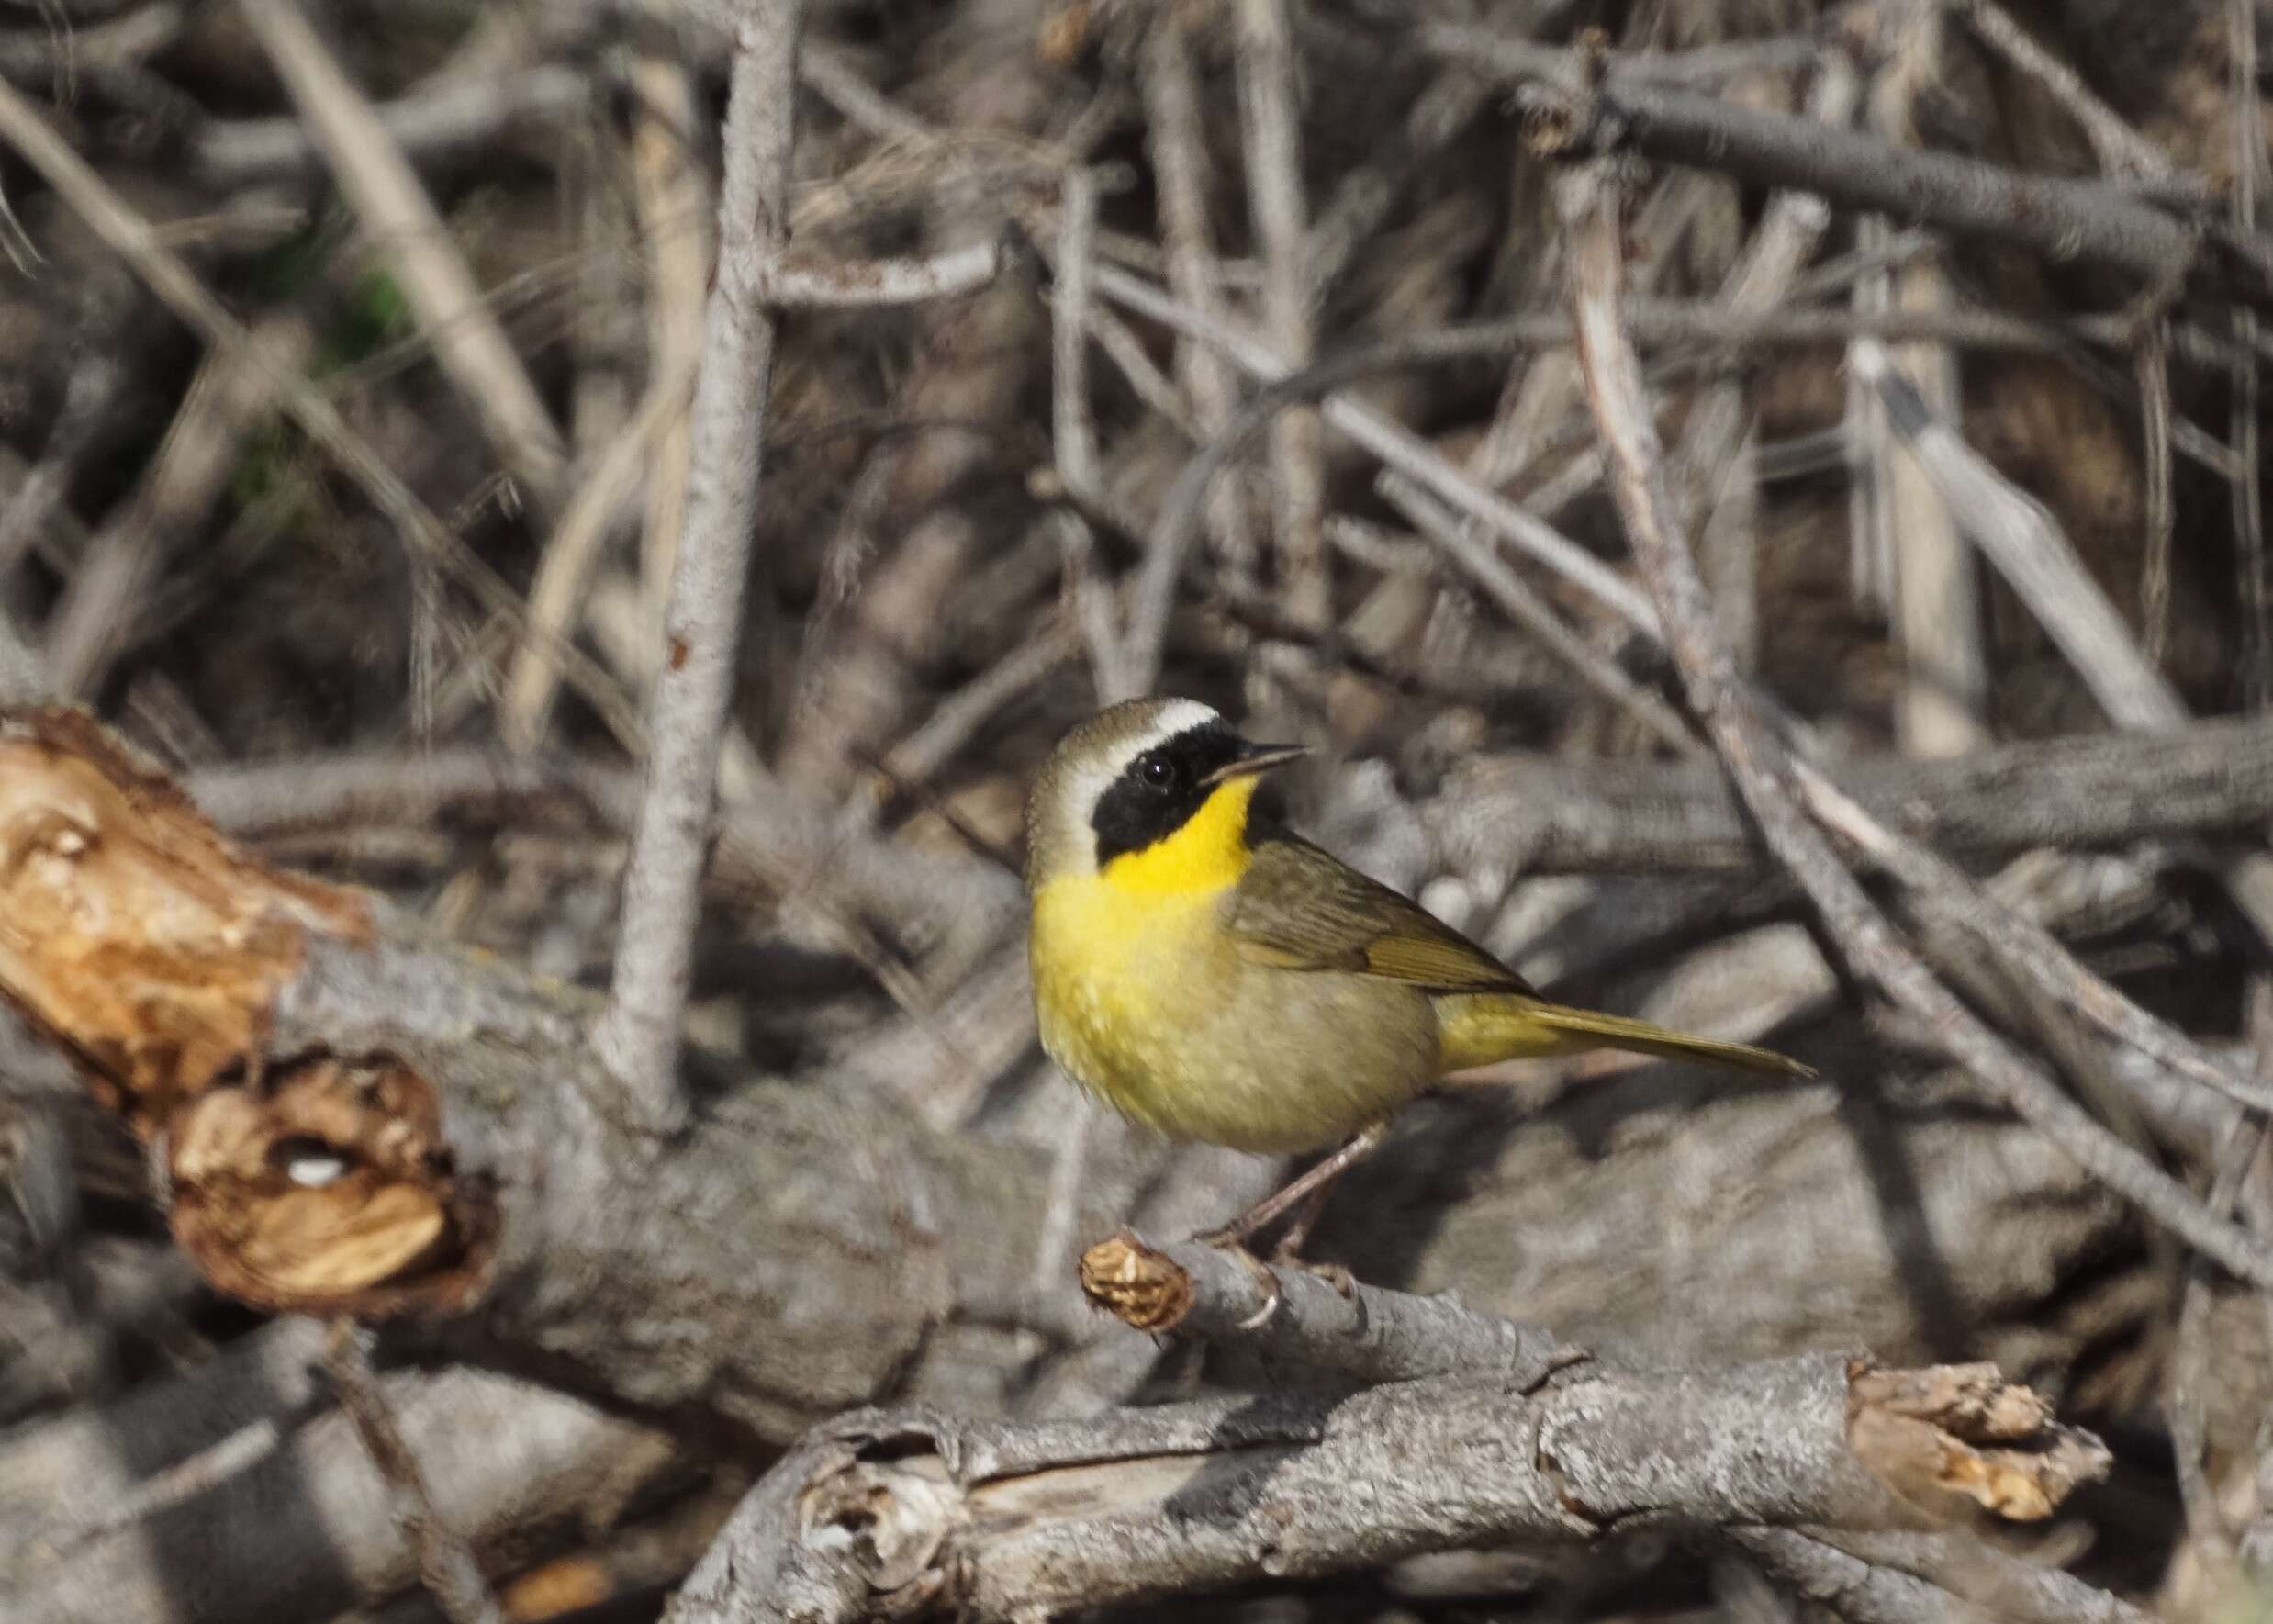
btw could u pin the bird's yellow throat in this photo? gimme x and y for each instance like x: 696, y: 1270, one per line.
x: 1207, y: 853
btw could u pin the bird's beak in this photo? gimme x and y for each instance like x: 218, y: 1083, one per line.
x: 1256, y: 758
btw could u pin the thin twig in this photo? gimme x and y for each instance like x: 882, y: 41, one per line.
x: 1073, y: 433
x: 1178, y: 149
x: 1932, y: 580
x: 557, y: 597
x: 1272, y: 144
x: 2019, y: 536
x: 1073, y: 430
x: 431, y: 122
x: 2152, y: 363
x: 2249, y: 476
x: 1718, y: 470
x: 446, y: 1563
x: 2061, y: 219
x: 2123, y: 151
x: 1762, y: 771
x: 671, y: 196
x: 858, y: 285
x: 638, y: 1037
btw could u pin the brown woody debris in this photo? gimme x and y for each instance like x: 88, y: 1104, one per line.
x: 153, y: 951
x: 1137, y: 1286
x: 1950, y: 1438
x: 129, y: 930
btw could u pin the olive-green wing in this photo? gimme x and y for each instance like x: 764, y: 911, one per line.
x: 1298, y: 907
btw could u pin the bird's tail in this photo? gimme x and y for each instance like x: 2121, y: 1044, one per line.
x: 1479, y: 1029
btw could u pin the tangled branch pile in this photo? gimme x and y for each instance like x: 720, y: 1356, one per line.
x: 1759, y: 507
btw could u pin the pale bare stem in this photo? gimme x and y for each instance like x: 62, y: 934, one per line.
x: 67, y: 52
x: 638, y: 1037
x: 432, y: 121
x: 1182, y: 174
x: 1718, y: 449
x: 846, y: 285
x: 2153, y: 362
x: 671, y: 195
x: 558, y: 595
x: 402, y: 219
x: 1870, y: 449
x: 2019, y: 536
x: 87, y: 399
x: 1934, y: 588
x: 1271, y: 126
x: 1073, y: 434
x: 955, y: 719
x: 1073, y: 430
x: 2249, y: 477
x: 446, y: 1561
x: 1762, y: 769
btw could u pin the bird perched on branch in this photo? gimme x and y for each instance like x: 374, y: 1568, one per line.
x: 1215, y: 978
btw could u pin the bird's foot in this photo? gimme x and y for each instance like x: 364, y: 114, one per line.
x: 1334, y: 1274
x: 1230, y: 1239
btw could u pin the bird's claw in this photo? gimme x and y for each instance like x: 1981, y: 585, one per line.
x: 1230, y: 1241
x: 1334, y: 1274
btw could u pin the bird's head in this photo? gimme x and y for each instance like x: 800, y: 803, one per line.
x: 1152, y: 793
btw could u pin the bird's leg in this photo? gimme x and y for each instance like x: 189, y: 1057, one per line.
x: 1307, y: 1191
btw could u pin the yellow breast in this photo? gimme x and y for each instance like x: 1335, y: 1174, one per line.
x: 1123, y: 962
x: 1114, y: 982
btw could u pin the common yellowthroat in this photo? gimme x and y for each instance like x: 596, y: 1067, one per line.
x: 1215, y: 978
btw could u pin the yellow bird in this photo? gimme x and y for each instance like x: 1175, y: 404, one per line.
x: 1215, y: 978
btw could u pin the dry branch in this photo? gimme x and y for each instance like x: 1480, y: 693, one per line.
x: 879, y: 1512
x: 2061, y: 219
x: 639, y: 1036
x: 1548, y: 815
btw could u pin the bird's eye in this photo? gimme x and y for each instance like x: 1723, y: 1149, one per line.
x: 1159, y: 772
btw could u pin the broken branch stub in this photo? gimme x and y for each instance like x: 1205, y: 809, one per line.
x: 153, y: 952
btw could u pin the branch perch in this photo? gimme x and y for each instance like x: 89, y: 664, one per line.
x: 878, y: 1513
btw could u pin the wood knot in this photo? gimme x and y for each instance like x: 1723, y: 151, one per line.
x: 1141, y: 1287
x: 327, y: 1187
